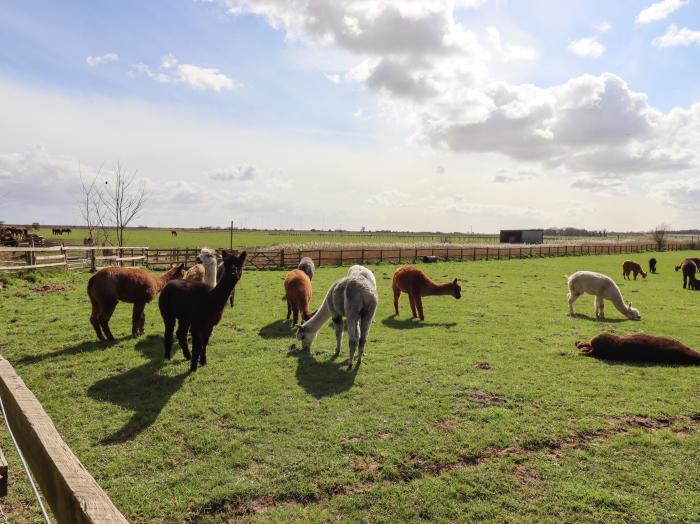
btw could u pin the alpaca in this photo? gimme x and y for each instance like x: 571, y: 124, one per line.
x: 602, y: 287
x: 639, y: 347
x: 219, y: 274
x: 307, y: 266
x: 413, y: 281
x: 652, y: 265
x: 354, y: 297
x: 361, y: 271
x: 297, y: 292
x: 197, y: 306
x: 205, y: 270
x: 173, y: 233
x: 689, y: 268
x: 133, y: 285
x: 630, y: 266
x: 429, y: 259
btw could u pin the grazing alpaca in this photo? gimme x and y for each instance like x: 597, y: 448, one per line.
x: 652, y: 265
x: 430, y: 259
x: 630, y: 266
x: 354, y: 297
x: 696, y: 261
x: 307, y: 266
x: 197, y: 306
x: 173, y: 232
x: 602, y: 287
x: 134, y: 285
x: 413, y: 281
x: 639, y: 347
x: 689, y: 267
x: 361, y: 271
x: 205, y: 271
x: 297, y: 292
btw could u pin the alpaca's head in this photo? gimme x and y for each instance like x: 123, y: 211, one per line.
x: 455, y: 288
x: 207, y: 257
x: 306, y: 336
x: 233, y: 265
x: 678, y: 267
x: 644, y: 273
x: 633, y: 313
x: 175, y: 272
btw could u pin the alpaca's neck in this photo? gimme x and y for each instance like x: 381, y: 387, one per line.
x: 320, y: 317
x: 619, y: 303
x: 219, y: 295
x: 433, y: 288
x: 164, y: 279
x: 210, y: 273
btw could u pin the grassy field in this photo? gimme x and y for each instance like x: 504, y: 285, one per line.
x: 482, y: 412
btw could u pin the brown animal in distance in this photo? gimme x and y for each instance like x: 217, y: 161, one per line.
x: 416, y: 284
x: 133, y: 285
x: 630, y: 266
x: 297, y: 292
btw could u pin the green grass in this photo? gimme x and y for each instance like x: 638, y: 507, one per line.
x: 420, y: 432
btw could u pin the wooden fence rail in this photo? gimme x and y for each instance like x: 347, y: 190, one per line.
x: 21, y: 259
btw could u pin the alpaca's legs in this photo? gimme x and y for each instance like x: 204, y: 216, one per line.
x: 338, y: 326
x: 353, y: 339
x: 572, y: 296
x: 289, y: 309
x: 624, y: 274
x: 419, y: 306
x: 105, y: 315
x: 136, y: 315
x: 397, y: 294
x: 365, y: 324
x: 412, y: 302
x: 205, y: 343
x: 635, y: 275
x: 685, y: 280
x: 295, y: 314
x: 197, y: 343
x: 183, y: 328
x: 599, y: 307
x: 94, y: 320
x: 233, y: 294
x: 168, y: 336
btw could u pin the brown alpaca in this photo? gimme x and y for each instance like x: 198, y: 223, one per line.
x: 297, y: 292
x: 133, y: 285
x: 195, y: 273
x: 689, y: 268
x: 696, y: 261
x: 639, y: 347
x: 413, y: 281
x: 173, y: 232
x: 630, y: 266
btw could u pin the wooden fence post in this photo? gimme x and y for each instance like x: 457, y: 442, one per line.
x: 282, y: 258
x: 93, y: 262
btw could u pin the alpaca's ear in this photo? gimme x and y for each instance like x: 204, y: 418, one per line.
x: 224, y: 253
x: 243, y: 256
x: 181, y: 267
x: 455, y: 281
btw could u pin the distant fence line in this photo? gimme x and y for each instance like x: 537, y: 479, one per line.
x: 77, y: 257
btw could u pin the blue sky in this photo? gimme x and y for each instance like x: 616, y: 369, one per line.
x: 431, y: 114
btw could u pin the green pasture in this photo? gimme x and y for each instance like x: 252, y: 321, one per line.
x: 484, y: 412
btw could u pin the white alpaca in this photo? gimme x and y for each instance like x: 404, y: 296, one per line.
x: 603, y: 287
x: 354, y: 297
x: 362, y: 271
x: 205, y: 271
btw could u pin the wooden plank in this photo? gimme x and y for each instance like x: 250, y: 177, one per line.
x: 31, y: 266
x: 3, y: 475
x: 131, y: 258
x: 69, y: 489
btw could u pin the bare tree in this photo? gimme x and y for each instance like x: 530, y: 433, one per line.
x: 122, y: 199
x: 659, y: 236
x: 92, y: 209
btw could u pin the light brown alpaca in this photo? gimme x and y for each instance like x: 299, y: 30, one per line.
x: 133, y: 285
x: 297, y: 291
x: 413, y: 281
x: 630, y: 266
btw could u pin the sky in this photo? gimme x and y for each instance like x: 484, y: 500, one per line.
x: 439, y: 115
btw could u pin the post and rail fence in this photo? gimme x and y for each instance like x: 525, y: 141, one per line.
x: 14, y: 259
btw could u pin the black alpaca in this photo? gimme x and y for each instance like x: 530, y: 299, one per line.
x: 652, y: 265
x: 639, y: 347
x: 197, y: 306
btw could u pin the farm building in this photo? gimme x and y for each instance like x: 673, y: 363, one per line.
x: 522, y: 236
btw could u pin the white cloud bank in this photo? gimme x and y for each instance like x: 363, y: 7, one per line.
x: 659, y: 11
x: 675, y: 37
x: 94, y: 61
x: 586, y: 47
x: 202, y: 78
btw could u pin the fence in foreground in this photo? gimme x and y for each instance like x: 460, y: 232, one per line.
x: 76, y: 257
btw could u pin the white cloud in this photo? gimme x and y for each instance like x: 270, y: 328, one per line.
x: 604, y: 185
x: 508, y: 176
x: 684, y: 193
x: 390, y: 198
x: 203, y: 78
x: 603, y: 27
x: 94, y: 61
x: 241, y: 174
x: 586, y: 47
x: 659, y: 11
x: 509, y: 53
x: 675, y: 37
x: 332, y: 78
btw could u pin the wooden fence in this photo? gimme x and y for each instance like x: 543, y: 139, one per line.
x: 69, y: 257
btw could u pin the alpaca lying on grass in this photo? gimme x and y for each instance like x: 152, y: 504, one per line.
x: 639, y: 347
x: 630, y: 266
x: 354, y: 297
x: 603, y: 287
x: 413, y: 281
x: 652, y: 265
x: 297, y: 292
x: 197, y: 306
x: 134, y: 285
x: 689, y: 268
x: 307, y: 266
x: 205, y: 270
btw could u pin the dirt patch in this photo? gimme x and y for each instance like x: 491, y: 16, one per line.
x: 50, y: 288
x: 353, y: 439
x: 365, y: 462
x: 637, y: 421
x: 524, y: 475
x: 442, y: 425
x: 486, y: 399
x: 384, y: 435
x: 483, y: 365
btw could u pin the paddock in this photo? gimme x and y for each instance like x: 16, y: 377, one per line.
x: 481, y: 412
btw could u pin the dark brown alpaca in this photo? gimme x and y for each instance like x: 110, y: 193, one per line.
x: 134, y: 285
x: 696, y: 261
x: 630, y: 266
x: 689, y: 267
x: 413, y: 281
x: 652, y: 265
x: 173, y: 232
x: 297, y: 292
x: 639, y: 347
x: 199, y: 307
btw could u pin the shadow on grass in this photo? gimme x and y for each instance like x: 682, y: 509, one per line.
x: 411, y: 323
x: 323, y: 378
x: 278, y: 329
x: 85, y: 347
x: 142, y: 390
x: 602, y: 320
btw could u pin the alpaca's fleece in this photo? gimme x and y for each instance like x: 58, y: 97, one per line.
x: 639, y: 347
x: 604, y: 288
x: 297, y: 292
